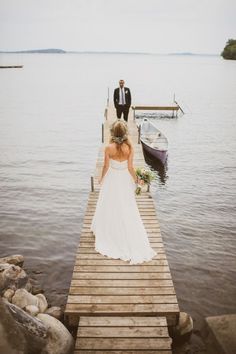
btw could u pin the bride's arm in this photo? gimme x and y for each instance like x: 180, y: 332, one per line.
x: 105, y: 164
x: 130, y: 165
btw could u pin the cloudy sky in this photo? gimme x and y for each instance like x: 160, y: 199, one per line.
x: 159, y: 26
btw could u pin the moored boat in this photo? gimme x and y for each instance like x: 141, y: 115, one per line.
x: 153, y: 140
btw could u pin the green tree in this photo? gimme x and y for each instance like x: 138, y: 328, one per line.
x: 229, y: 51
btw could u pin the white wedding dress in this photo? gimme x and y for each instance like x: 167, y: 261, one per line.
x: 117, y: 224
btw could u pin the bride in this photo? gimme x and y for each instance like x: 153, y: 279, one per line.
x: 117, y: 224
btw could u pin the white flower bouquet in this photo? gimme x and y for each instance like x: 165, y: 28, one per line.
x: 144, y: 176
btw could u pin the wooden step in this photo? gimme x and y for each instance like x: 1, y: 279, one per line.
x: 112, y: 334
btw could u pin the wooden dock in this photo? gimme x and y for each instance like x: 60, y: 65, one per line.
x: 11, y: 66
x: 118, y: 307
x: 175, y: 107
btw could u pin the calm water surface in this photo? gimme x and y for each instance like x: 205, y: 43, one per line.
x: 50, y: 131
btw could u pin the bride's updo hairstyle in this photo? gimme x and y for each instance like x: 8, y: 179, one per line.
x: 119, y: 135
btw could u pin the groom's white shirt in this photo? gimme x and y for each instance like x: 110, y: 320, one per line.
x: 120, y: 97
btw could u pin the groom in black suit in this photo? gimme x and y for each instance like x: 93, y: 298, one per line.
x: 122, y: 100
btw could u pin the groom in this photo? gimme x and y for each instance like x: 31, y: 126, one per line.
x: 122, y: 100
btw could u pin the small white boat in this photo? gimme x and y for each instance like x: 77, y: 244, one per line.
x: 153, y: 140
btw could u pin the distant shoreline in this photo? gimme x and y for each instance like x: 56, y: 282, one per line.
x: 61, y: 51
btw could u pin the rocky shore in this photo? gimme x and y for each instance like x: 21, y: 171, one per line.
x: 28, y: 325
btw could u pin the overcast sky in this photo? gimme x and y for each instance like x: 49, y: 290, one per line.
x: 161, y: 26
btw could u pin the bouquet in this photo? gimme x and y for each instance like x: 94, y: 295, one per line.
x: 145, y: 177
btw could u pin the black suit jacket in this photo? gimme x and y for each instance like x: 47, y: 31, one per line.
x: 127, y: 96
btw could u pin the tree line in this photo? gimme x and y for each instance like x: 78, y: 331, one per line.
x: 229, y: 51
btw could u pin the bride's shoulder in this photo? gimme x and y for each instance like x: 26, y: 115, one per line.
x: 108, y: 148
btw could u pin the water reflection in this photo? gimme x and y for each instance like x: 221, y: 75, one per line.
x: 156, y: 115
x: 157, y: 166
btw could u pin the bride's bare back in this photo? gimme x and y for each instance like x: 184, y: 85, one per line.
x: 113, y: 152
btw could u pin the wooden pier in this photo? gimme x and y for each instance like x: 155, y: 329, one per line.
x: 11, y: 66
x: 118, y: 307
x: 174, y: 108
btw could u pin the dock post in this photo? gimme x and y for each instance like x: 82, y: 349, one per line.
x: 92, y: 184
x: 139, y: 133
x: 106, y: 113
x: 102, y: 132
x: 148, y: 188
x: 108, y: 94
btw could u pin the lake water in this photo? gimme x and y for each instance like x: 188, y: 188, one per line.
x: 51, y: 113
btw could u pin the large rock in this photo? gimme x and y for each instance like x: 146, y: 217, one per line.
x: 222, y: 334
x: 8, y: 294
x: 31, y: 324
x: 23, y: 298
x: 3, y: 267
x: 42, y: 302
x: 21, y: 333
x: 12, y: 276
x: 32, y: 310
x: 60, y: 341
x: 16, y: 259
x: 12, y: 340
x: 55, y: 311
x: 182, y: 332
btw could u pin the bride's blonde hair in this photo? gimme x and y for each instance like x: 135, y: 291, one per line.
x: 119, y: 135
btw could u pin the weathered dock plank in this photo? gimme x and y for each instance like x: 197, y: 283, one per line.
x: 122, y: 335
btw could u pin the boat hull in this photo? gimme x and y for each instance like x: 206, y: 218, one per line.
x: 159, y: 154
